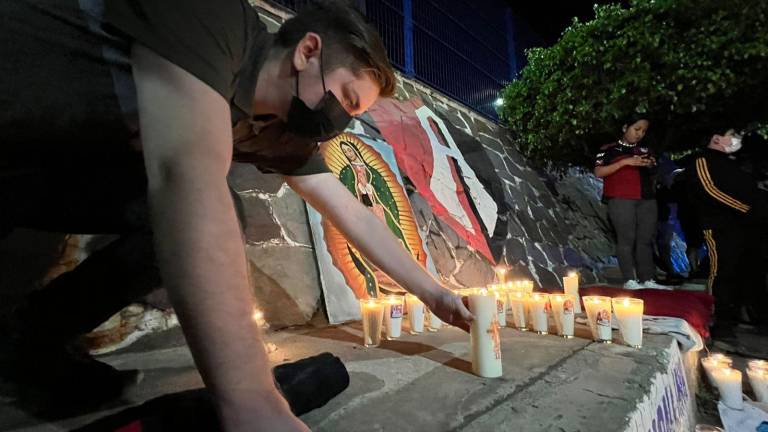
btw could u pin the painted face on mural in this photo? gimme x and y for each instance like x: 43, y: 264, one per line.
x: 348, y: 151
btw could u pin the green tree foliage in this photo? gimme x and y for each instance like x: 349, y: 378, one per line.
x: 692, y: 65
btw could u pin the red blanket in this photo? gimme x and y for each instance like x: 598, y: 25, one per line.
x: 694, y: 307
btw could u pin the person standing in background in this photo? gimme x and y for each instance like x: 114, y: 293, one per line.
x: 732, y: 215
x: 628, y: 188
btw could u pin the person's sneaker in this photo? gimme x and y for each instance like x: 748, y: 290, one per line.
x: 633, y: 285
x: 653, y: 285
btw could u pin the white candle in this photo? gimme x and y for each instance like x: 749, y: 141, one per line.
x: 758, y: 379
x: 435, y: 323
x: 758, y: 364
x: 539, y: 306
x: 372, y: 313
x: 563, y: 311
x: 599, y: 317
x: 728, y: 382
x: 484, y: 335
x: 629, y: 313
x: 571, y: 287
x: 415, y: 313
x: 501, y: 302
x: 517, y: 302
x: 393, y: 316
x: 712, y: 362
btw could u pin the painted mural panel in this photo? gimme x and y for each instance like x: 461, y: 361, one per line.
x: 429, y: 156
x: 368, y: 169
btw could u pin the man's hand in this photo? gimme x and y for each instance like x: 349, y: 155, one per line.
x: 450, y: 308
x: 374, y: 239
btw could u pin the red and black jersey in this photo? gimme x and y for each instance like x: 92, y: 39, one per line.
x: 629, y: 182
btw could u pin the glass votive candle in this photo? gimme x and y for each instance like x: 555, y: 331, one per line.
x: 629, y: 314
x: 415, y: 314
x: 393, y: 316
x: 714, y: 361
x: 434, y: 323
x: 758, y: 379
x: 501, y: 302
x: 539, y: 310
x: 728, y: 383
x: 599, y: 317
x: 757, y: 365
x: 563, y: 311
x: 372, y: 313
x: 517, y: 302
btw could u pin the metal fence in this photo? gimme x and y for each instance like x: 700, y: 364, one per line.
x: 463, y: 48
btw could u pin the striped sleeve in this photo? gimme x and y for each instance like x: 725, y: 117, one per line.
x: 702, y: 172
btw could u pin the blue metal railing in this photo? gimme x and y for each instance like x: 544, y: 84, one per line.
x: 463, y: 48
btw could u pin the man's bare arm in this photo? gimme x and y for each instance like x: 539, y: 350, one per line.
x: 371, y: 237
x: 187, y: 142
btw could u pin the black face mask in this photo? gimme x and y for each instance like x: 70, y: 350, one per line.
x: 327, y: 120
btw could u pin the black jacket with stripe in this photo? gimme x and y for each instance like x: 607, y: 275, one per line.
x: 721, y: 192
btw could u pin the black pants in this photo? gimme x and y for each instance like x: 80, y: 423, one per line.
x: 737, y: 271
x: 635, y: 225
x: 84, y: 197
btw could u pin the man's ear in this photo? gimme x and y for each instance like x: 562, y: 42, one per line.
x: 307, y: 48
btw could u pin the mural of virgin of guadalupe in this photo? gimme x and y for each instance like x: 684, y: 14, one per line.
x: 370, y: 179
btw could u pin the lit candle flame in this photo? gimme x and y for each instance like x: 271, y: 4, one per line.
x: 626, y: 302
x: 258, y: 315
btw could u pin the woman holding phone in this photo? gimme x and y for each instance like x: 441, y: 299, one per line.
x: 627, y: 170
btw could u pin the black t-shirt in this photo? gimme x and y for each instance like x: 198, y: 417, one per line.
x: 67, y: 94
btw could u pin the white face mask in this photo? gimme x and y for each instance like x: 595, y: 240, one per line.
x: 735, y: 145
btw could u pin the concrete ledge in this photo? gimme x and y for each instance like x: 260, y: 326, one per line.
x: 423, y: 383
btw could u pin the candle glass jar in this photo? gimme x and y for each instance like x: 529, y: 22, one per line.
x: 728, y: 382
x: 372, y: 313
x: 538, y: 304
x: 714, y: 361
x: 599, y: 317
x: 629, y: 314
x: 758, y: 379
x: 563, y: 311
x: 434, y: 323
x: 571, y: 287
x: 415, y: 314
x: 757, y: 365
x: 517, y: 302
x: 393, y: 316
x: 501, y: 302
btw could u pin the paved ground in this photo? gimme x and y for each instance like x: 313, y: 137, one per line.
x: 423, y: 383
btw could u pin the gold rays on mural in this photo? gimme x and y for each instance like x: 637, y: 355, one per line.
x: 345, y: 256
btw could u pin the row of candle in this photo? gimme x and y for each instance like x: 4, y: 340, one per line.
x: 727, y: 380
x: 386, y: 315
x: 529, y: 310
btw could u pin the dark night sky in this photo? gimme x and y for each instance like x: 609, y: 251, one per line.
x: 548, y: 18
